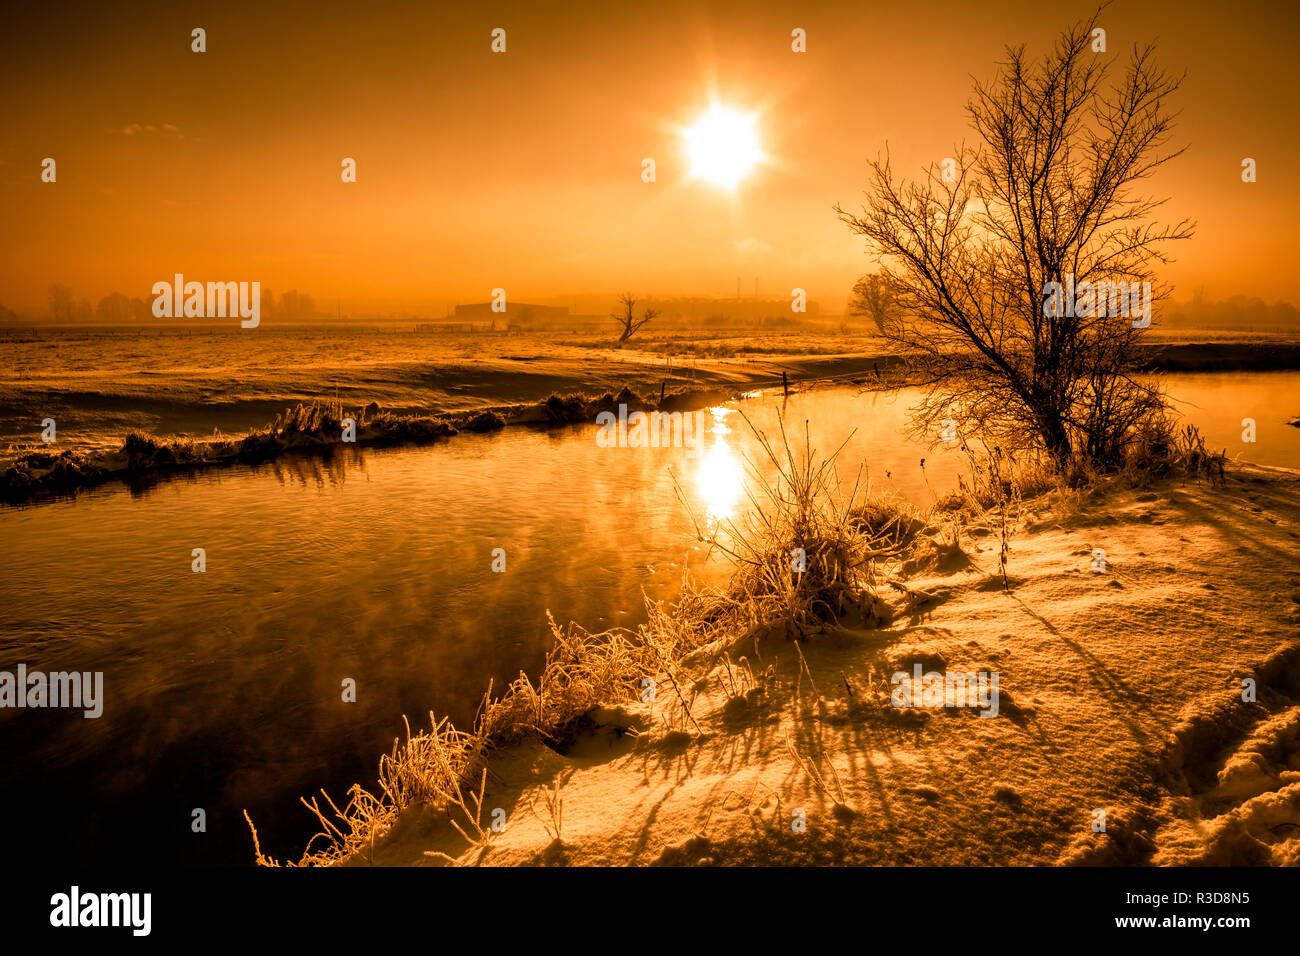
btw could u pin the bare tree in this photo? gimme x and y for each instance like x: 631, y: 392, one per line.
x: 977, y: 252
x: 626, y: 317
x: 871, y: 299
x: 60, y: 302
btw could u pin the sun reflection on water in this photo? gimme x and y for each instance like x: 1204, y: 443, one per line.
x: 720, y: 479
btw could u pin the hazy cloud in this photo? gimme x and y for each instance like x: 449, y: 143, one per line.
x: 165, y: 129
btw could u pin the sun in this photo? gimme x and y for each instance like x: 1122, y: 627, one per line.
x: 723, y: 146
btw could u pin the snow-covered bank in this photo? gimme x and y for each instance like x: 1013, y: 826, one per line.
x: 1121, y: 735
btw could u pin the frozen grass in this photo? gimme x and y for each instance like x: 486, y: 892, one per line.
x: 805, y: 557
x: 803, y: 551
x: 574, y: 408
x: 1162, y: 449
x: 441, y: 766
x: 307, y: 427
x: 796, y: 505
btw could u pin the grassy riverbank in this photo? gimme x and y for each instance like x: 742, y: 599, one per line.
x: 774, y: 736
x: 102, y: 384
x: 429, y: 401
x: 306, y: 430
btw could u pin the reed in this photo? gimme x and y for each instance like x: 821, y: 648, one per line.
x: 797, y: 506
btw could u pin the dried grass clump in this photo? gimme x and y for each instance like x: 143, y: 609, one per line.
x: 40, y: 471
x: 582, y: 670
x: 387, y: 428
x: 801, y: 507
x: 574, y: 408
x: 440, y: 766
x: 311, y: 420
x: 1160, y: 450
x: 144, y: 451
x: 887, y: 519
x: 312, y: 425
x: 488, y: 421
x: 303, y: 426
x: 804, y: 551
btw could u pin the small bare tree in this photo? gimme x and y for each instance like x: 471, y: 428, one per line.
x: 871, y: 300
x: 975, y: 254
x: 626, y: 317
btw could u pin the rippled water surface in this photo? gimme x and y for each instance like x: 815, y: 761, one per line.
x: 223, y: 689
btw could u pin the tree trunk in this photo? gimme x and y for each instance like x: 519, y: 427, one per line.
x: 1056, y: 438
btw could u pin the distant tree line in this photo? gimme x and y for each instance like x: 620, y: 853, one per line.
x: 118, y: 309
x: 1239, y: 310
x: 870, y: 299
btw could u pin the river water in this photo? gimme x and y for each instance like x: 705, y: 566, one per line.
x: 223, y: 689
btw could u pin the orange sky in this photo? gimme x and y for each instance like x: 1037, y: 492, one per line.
x: 478, y: 170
